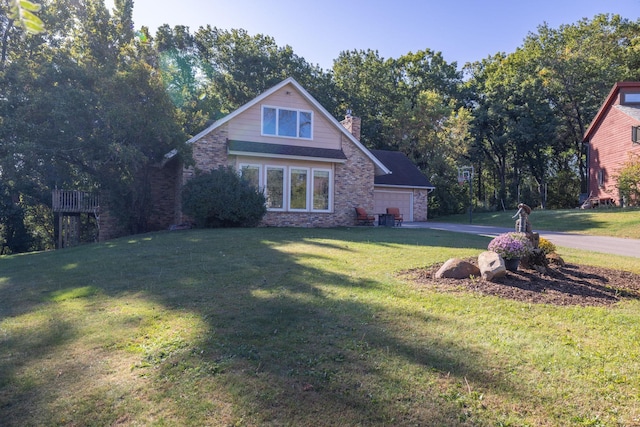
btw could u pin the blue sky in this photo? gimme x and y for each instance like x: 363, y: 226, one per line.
x: 464, y: 30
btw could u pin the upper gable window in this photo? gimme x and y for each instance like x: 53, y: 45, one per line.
x: 631, y: 98
x: 285, y: 122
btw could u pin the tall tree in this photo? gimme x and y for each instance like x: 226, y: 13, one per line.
x: 241, y: 66
x: 85, y: 110
x: 577, y: 65
x: 367, y: 86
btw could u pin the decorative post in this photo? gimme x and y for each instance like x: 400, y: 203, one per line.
x: 465, y: 174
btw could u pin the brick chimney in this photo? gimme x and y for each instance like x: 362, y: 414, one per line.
x: 352, y: 124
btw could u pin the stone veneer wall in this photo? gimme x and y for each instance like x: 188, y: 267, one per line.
x: 420, y: 205
x: 165, y: 195
x: 353, y: 183
x: 109, y: 226
x: 165, y: 192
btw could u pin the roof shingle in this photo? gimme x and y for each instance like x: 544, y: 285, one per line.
x: 403, y: 171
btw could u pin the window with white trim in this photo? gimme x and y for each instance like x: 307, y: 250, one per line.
x: 321, y: 189
x: 274, y: 188
x: 252, y: 174
x: 298, y: 188
x: 287, y: 122
x: 292, y: 188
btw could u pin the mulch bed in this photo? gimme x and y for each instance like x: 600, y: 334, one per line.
x: 569, y: 285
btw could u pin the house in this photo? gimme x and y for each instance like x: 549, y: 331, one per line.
x: 611, y: 137
x: 314, y: 170
x: 405, y: 187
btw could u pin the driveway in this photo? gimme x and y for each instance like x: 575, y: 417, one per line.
x: 610, y: 245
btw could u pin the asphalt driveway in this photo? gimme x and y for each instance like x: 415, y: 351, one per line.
x: 610, y: 245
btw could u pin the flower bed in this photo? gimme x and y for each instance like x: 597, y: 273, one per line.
x: 511, y: 245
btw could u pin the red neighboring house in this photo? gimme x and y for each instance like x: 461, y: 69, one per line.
x: 613, y: 134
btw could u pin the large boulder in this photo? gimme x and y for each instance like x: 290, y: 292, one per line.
x: 491, y: 265
x: 456, y: 268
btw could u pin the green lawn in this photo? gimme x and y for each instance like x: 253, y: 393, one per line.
x: 299, y: 327
x: 599, y: 222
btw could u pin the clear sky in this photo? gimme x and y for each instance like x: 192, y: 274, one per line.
x: 318, y: 30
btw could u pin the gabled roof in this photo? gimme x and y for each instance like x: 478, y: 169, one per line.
x: 380, y: 167
x: 404, y: 173
x: 609, y: 100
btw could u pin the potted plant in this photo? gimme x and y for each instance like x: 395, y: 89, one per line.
x: 511, y: 247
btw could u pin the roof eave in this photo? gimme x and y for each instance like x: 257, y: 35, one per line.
x: 381, y: 169
x: 605, y: 106
x: 285, y: 156
x: 406, y: 186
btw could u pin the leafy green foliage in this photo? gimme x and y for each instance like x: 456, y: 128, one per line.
x: 14, y: 237
x: 411, y: 104
x: 221, y: 198
x: 629, y: 180
x: 23, y: 13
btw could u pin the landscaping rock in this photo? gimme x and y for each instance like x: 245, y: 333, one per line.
x: 456, y: 268
x: 555, y: 259
x: 491, y: 265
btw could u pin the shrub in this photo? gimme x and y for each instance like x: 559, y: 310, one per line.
x: 511, y: 245
x: 628, y: 180
x: 546, y: 246
x: 221, y: 198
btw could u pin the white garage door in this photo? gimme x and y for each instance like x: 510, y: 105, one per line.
x: 403, y: 200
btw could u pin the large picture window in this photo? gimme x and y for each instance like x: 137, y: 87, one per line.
x: 288, y: 123
x: 298, y: 183
x: 275, y: 188
x: 293, y: 188
x: 251, y: 174
x: 321, y: 190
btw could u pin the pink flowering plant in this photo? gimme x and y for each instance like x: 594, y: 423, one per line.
x: 511, y: 245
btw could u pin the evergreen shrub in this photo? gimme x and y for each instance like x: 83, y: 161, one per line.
x: 221, y: 198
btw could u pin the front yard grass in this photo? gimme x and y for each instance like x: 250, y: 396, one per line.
x: 614, y: 222
x: 300, y: 327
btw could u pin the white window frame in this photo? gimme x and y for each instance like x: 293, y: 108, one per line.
x: 287, y: 171
x: 284, y: 186
x: 253, y: 165
x: 277, y: 130
x: 289, y: 186
x: 330, y: 189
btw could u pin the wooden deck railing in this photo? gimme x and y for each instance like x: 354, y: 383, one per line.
x: 74, y: 201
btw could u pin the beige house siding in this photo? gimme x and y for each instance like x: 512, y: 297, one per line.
x: 352, y: 185
x: 247, y: 126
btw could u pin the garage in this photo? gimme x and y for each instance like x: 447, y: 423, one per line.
x: 383, y: 199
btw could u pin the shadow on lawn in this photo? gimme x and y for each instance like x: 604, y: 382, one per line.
x: 285, y: 346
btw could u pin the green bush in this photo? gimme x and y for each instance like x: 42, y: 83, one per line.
x: 629, y: 180
x: 221, y: 198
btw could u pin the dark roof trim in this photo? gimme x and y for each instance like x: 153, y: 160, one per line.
x: 260, y: 149
x: 404, y: 173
